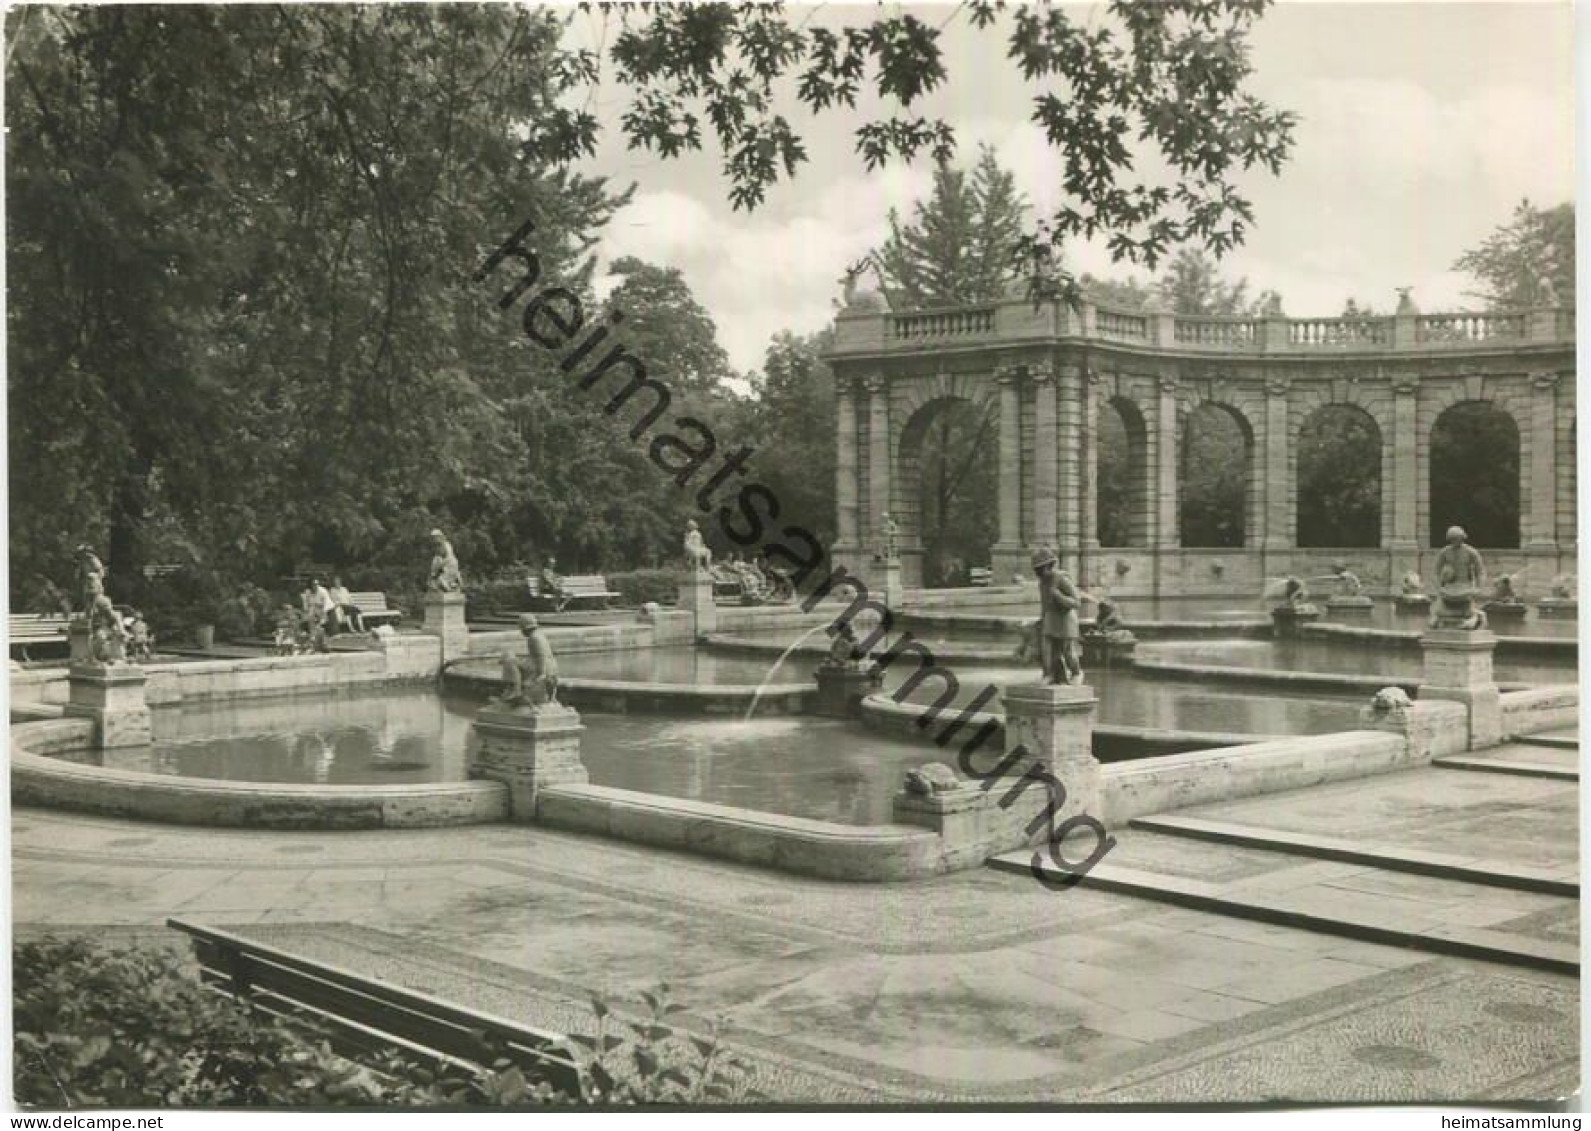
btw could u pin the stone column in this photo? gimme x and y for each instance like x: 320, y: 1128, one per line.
x: 1166, y: 533
x: 1401, y: 495
x: 1458, y: 668
x: 444, y: 617
x: 1007, y: 555
x: 1093, y: 390
x: 528, y: 751
x: 112, y: 695
x: 1542, y: 532
x: 878, y: 451
x: 1068, y: 454
x: 1048, y: 729
x: 1046, y: 515
x: 1276, y: 520
x: 848, y: 532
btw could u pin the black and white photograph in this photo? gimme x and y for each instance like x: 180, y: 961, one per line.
x: 965, y: 556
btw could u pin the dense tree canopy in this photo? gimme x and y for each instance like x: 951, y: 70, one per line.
x: 242, y: 326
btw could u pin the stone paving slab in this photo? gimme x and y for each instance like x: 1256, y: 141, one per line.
x: 1486, y: 820
x: 1338, y: 848
x: 976, y: 987
x: 1428, y: 913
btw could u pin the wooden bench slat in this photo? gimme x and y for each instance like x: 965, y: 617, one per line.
x: 372, y: 1010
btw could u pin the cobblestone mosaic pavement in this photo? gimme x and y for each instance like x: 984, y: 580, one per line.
x: 980, y: 986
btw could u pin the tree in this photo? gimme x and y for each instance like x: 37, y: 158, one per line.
x: 790, y: 423
x: 1339, y: 479
x: 241, y: 307
x: 961, y: 244
x: 1192, y: 284
x: 1526, y: 262
x: 1172, y: 74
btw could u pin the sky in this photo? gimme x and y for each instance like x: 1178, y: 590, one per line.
x: 1421, y: 127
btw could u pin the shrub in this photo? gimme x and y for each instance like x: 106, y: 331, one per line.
x: 637, y: 586
x: 497, y: 595
x: 96, y: 1026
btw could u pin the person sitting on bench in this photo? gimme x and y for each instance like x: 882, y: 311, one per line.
x: 349, y: 618
x: 551, y: 587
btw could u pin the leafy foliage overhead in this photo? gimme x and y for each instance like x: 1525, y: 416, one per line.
x: 1527, y: 262
x: 1170, y: 75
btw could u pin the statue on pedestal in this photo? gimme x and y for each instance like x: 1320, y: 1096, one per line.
x: 532, y: 679
x: 1348, y: 583
x: 107, y: 636
x: 1563, y: 587
x: 1460, y: 577
x: 1413, y: 587
x: 891, y: 547
x: 90, y: 578
x: 1295, y: 596
x: 698, y: 555
x: 1060, y: 641
x: 843, y: 649
x: 444, y: 576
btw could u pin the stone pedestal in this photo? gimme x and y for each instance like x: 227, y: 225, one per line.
x: 961, y: 816
x: 696, y: 598
x: 444, y: 617
x: 78, y: 638
x: 1416, y: 601
x: 1505, y: 610
x: 1355, y: 606
x: 841, y: 690
x: 894, y: 585
x: 1558, y: 608
x: 1458, y: 668
x: 1286, y: 620
x: 527, y: 750
x: 1053, y: 729
x: 113, y: 696
x: 1102, y: 650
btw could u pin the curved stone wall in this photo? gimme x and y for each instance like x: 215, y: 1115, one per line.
x: 1047, y: 371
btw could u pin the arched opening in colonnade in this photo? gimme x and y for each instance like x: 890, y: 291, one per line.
x: 1122, y: 475
x: 1215, y: 474
x: 1339, y: 478
x: 949, y: 483
x: 1475, y: 475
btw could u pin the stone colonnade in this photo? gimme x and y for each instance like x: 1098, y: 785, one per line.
x: 1046, y: 374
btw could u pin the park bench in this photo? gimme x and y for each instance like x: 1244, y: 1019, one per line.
x: 575, y: 587
x: 366, y: 1015
x: 373, y: 609
x: 41, y: 632
x: 978, y: 575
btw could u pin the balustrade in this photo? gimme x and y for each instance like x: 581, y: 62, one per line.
x: 1122, y: 327
x: 1468, y: 327
x: 941, y: 324
x: 1218, y: 333
x: 1338, y: 332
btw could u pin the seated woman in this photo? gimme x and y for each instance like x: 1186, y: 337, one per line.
x: 349, y: 618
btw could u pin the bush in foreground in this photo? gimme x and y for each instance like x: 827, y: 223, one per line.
x: 127, y: 1028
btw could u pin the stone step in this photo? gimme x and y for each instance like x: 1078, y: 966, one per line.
x: 1555, y: 741
x: 1441, y: 865
x: 1483, y: 763
x: 1343, y: 899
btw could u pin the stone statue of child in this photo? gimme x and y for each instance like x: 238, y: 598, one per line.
x: 1412, y: 586
x: 1460, y: 577
x: 444, y: 576
x: 1060, y: 639
x: 891, y: 538
x: 532, y: 679
x: 698, y: 555
x: 843, y: 650
x: 107, y: 635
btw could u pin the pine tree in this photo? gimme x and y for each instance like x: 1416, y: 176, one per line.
x: 960, y: 246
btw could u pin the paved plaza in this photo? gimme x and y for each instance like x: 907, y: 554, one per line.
x: 981, y: 986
